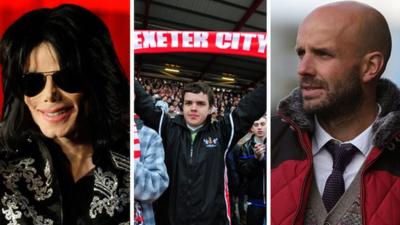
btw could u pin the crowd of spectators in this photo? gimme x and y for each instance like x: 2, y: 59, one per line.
x: 168, y: 95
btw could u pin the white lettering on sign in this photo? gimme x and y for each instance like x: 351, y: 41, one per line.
x: 227, y: 41
x: 262, y: 43
x: 201, y: 39
x: 187, y: 40
x: 174, y: 39
x: 247, y: 41
x: 220, y: 40
x: 137, y: 41
x: 149, y: 40
x: 161, y: 40
x: 235, y: 41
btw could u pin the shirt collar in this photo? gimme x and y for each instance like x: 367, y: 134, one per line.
x: 194, y: 129
x: 321, y: 137
x: 363, y: 141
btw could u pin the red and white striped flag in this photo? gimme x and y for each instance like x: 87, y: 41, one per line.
x: 136, y: 143
x: 138, y: 217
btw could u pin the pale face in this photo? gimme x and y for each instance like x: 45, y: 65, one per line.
x: 195, y: 108
x: 53, y: 110
x: 329, y: 63
x: 259, y: 128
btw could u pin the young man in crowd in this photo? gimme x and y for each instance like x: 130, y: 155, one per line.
x: 195, y: 151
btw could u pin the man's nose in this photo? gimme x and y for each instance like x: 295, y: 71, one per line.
x: 306, y: 66
x: 50, y: 91
x: 193, y: 107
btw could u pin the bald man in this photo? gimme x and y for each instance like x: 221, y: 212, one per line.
x: 336, y: 138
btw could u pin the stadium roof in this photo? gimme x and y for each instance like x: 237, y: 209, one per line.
x: 202, y: 15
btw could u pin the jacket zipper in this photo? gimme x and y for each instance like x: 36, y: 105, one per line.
x: 192, y: 148
x: 191, y: 154
x: 191, y: 166
x: 307, y: 180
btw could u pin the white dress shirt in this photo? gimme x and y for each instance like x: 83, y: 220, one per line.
x: 323, y: 161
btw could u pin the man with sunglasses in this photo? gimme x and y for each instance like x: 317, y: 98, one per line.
x: 64, y: 137
x: 252, y: 167
x: 195, y: 150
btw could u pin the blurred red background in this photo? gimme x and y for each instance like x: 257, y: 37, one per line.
x: 115, y: 13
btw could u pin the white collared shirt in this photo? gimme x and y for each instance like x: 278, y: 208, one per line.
x: 322, y: 159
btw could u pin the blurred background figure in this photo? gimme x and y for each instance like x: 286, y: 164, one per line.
x: 252, y: 167
x: 150, y: 173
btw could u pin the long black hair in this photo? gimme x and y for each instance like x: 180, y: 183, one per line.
x: 83, y: 45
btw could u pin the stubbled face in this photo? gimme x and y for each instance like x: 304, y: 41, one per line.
x: 53, y: 110
x: 329, y: 63
x: 195, y: 108
x: 259, y: 128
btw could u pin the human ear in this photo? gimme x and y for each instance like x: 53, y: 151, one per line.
x: 372, y: 65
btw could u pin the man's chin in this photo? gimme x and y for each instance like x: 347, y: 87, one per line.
x: 56, y: 133
x: 310, y: 106
x: 193, y: 124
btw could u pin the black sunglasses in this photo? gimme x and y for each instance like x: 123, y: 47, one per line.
x: 33, y: 83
